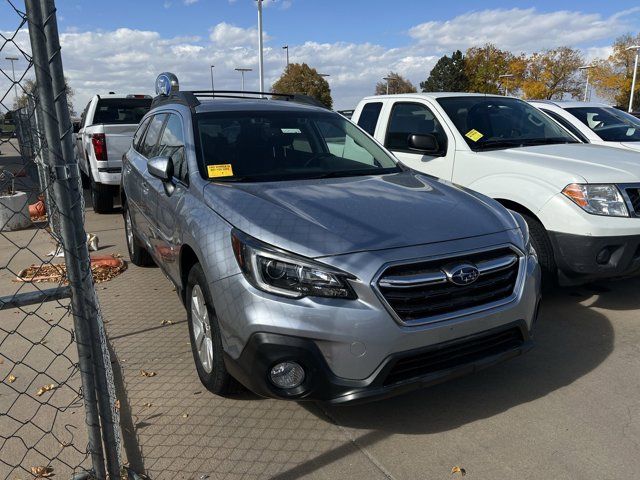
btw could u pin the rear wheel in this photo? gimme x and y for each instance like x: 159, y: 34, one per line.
x: 101, y: 197
x: 542, y: 245
x: 206, y: 339
x: 137, y: 253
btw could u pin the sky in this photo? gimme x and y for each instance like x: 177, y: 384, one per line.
x: 122, y: 45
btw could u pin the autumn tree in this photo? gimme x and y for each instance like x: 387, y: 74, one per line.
x: 484, y: 65
x: 552, y: 74
x: 447, y: 75
x: 28, y: 87
x: 612, y: 76
x: 396, y: 83
x: 301, y: 78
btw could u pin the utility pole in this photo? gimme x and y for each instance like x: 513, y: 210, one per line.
x: 388, y: 79
x: 635, y: 73
x: 212, y: 89
x: 13, y: 73
x: 260, y: 47
x: 286, y: 47
x: 586, y: 68
x: 506, y: 86
x: 242, y: 70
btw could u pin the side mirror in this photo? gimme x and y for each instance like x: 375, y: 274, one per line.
x: 426, y: 144
x: 160, y: 167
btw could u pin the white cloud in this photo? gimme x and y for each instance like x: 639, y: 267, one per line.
x: 189, y: 2
x: 128, y: 60
x: 520, y: 29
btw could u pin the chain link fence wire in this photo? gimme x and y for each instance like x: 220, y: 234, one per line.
x: 58, y: 413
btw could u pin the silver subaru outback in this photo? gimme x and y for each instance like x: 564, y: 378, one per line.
x: 313, y: 265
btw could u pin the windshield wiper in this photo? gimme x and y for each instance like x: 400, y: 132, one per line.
x: 522, y: 142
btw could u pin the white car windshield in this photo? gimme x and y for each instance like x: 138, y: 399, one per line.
x: 610, y: 124
x: 490, y: 123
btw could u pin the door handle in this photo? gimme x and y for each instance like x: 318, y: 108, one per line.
x: 145, y: 188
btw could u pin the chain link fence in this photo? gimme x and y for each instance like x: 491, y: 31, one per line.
x: 58, y: 412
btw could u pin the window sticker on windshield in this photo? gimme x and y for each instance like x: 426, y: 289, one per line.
x: 215, y: 171
x: 474, y: 135
x: 291, y: 130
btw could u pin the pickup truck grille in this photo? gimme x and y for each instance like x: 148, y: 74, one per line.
x: 634, y: 197
x: 454, y: 355
x: 422, y: 292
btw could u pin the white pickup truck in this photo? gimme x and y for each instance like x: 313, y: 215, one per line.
x: 581, y: 201
x: 104, y: 135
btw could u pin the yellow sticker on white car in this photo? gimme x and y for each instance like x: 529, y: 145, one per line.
x: 224, y: 170
x: 474, y: 135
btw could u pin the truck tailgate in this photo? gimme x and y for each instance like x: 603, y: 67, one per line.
x: 118, y: 138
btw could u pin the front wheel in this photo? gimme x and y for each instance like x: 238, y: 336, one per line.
x: 542, y: 245
x: 206, y: 339
x: 137, y: 253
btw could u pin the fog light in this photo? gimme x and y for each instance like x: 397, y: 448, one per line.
x: 603, y: 256
x: 286, y: 375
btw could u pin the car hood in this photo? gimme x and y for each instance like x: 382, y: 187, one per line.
x: 593, y: 163
x: 326, y: 217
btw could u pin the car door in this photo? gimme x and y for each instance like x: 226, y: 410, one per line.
x: 146, y: 205
x: 133, y: 170
x: 170, y: 196
x: 407, y: 118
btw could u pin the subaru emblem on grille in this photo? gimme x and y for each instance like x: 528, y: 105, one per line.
x: 462, y: 274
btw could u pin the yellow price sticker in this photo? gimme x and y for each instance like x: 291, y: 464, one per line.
x: 224, y: 170
x: 474, y: 135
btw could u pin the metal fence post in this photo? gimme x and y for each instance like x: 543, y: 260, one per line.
x: 67, y: 198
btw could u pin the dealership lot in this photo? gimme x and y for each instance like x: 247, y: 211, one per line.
x: 567, y: 409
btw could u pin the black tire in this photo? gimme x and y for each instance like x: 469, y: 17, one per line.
x: 86, y: 181
x: 216, y: 379
x: 137, y: 253
x: 542, y: 245
x: 101, y: 197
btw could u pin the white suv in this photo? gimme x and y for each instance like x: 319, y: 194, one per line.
x: 581, y: 201
x: 595, y: 123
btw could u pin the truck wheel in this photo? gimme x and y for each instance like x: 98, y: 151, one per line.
x: 542, y: 245
x: 101, y: 197
x: 86, y: 181
x: 137, y: 253
x: 206, y: 339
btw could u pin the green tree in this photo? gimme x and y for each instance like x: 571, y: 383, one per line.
x: 396, y: 83
x: 28, y: 87
x: 484, y: 65
x: 301, y: 78
x: 447, y: 75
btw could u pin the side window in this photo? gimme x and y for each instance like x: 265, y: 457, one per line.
x: 566, y: 124
x: 172, y: 145
x: 410, y: 118
x: 341, y: 142
x: 83, y: 117
x: 148, y: 147
x: 369, y: 117
x: 137, y: 137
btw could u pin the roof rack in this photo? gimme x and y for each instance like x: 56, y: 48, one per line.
x: 190, y: 98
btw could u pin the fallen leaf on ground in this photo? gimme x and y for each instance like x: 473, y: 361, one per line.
x: 167, y: 322
x: 185, y: 415
x: 1, y: 360
x: 42, y: 472
x: 64, y: 444
x: 45, y: 388
x: 117, y: 405
x: 148, y: 404
x: 146, y: 373
x: 459, y: 470
x: 12, y: 378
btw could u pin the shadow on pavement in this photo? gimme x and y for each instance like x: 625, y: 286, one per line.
x: 615, y: 295
x: 571, y: 340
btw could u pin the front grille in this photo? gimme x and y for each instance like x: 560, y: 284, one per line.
x: 418, y: 291
x: 454, y: 355
x: 634, y: 198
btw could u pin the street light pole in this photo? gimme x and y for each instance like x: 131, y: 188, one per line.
x: 212, y: 89
x: 506, y: 87
x: 286, y: 47
x: 242, y: 70
x: 388, y: 79
x: 260, y: 46
x: 635, y: 73
x: 586, y: 86
x: 13, y: 73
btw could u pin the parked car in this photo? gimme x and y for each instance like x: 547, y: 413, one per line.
x: 582, y: 202
x: 312, y: 265
x: 595, y: 123
x: 103, y: 136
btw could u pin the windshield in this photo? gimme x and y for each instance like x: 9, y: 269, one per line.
x: 267, y: 146
x: 610, y: 124
x: 494, y: 123
x: 125, y: 111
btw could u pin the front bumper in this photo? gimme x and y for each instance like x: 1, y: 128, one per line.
x: 582, y: 258
x: 398, y: 373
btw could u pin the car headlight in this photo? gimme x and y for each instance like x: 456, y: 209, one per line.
x: 275, y: 271
x: 598, y: 199
x: 524, y: 231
